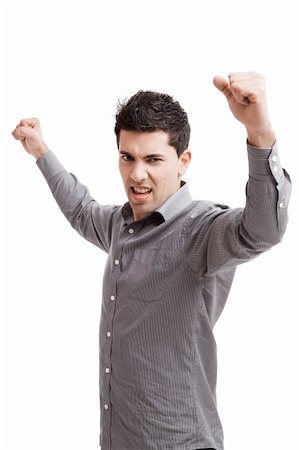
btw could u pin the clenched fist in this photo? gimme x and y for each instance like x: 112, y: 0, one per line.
x: 28, y: 131
x: 246, y: 96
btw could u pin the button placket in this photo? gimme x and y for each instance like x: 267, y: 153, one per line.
x: 116, y: 274
x: 116, y: 269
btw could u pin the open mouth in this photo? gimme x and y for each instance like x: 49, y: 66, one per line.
x: 141, y: 193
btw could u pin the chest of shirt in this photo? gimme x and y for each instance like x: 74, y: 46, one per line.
x: 143, y: 260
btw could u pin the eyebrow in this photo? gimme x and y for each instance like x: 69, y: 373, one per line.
x: 152, y: 155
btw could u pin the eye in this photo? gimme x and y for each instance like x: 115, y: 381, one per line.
x: 126, y: 157
x: 155, y: 159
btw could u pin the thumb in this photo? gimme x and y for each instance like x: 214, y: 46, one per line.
x: 223, y: 86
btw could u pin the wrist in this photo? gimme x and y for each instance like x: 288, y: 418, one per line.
x: 264, y: 138
x: 40, y: 151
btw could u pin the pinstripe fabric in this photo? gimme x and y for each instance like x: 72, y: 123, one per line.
x: 166, y: 281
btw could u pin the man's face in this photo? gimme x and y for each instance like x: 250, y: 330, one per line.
x: 150, y: 169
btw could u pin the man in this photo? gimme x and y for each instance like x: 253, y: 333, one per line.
x: 171, y: 263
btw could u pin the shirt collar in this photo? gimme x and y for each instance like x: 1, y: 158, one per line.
x: 177, y: 201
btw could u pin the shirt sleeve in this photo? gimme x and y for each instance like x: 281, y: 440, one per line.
x: 92, y: 221
x: 220, y: 238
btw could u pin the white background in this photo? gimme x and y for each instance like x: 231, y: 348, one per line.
x: 68, y: 63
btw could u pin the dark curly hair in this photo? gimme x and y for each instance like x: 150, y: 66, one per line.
x: 151, y: 111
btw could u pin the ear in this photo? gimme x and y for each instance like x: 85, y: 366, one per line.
x: 184, y: 161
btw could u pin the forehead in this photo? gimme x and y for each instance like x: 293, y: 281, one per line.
x: 143, y: 143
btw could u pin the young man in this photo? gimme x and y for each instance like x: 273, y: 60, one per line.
x: 171, y: 263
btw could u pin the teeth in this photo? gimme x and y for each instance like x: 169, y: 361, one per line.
x: 141, y: 191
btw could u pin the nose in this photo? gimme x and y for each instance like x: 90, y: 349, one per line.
x: 139, y: 173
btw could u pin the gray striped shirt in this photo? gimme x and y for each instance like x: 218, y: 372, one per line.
x: 165, y: 284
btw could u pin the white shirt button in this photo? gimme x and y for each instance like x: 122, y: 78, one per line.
x: 112, y: 297
x: 275, y: 168
x: 274, y: 158
x: 106, y: 406
x: 281, y: 205
x: 131, y: 230
x: 116, y: 262
x: 108, y: 334
x: 107, y: 370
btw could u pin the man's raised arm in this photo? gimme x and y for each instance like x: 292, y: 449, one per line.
x: 91, y: 220
x: 228, y: 237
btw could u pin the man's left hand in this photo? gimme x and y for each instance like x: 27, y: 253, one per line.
x: 246, y: 96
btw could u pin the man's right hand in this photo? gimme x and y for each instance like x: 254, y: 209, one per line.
x: 28, y: 131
